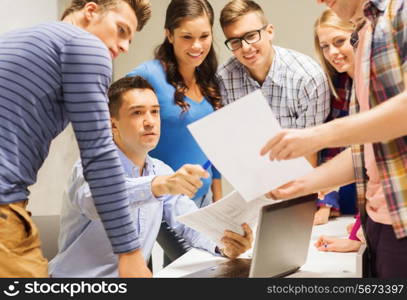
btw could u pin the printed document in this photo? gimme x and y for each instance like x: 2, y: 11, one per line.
x: 228, y: 213
x: 232, y: 138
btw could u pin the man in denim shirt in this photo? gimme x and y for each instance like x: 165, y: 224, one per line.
x: 155, y: 192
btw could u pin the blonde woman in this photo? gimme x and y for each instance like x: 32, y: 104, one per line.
x: 335, y: 53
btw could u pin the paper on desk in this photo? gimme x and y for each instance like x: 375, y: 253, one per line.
x: 227, y: 213
x: 232, y: 138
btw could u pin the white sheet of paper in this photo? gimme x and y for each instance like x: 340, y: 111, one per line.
x: 232, y: 138
x: 227, y: 213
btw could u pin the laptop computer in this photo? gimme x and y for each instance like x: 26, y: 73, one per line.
x: 281, y: 244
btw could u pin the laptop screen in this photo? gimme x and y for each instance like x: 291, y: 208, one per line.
x: 281, y: 246
x: 283, y: 236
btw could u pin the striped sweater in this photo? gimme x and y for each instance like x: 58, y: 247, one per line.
x: 52, y: 74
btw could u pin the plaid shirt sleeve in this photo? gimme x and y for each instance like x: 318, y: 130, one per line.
x: 387, y: 53
x: 313, y: 101
x: 222, y: 89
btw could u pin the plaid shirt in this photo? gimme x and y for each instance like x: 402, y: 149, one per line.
x: 296, y: 88
x: 388, y: 62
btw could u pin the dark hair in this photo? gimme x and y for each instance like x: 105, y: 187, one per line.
x: 121, y: 86
x: 177, y: 11
x: 142, y: 8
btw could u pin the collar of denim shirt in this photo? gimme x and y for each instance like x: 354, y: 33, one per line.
x: 133, y: 171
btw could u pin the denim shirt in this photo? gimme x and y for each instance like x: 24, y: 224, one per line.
x: 84, y: 248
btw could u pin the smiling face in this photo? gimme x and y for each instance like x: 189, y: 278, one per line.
x: 191, y: 41
x: 115, y: 26
x: 136, y: 130
x: 257, y: 55
x: 336, y: 48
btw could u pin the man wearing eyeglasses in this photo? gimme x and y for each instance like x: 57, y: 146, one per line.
x: 293, y: 83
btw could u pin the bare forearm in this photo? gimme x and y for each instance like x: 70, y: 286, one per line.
x: 379, y: 124
x: 382, y: 123
x: 217, y: 189
x: 336, y: 172
x: 186, y: 180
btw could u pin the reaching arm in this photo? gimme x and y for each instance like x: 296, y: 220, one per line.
x: 336, y: 172
x: 86, y: 71
x: 80, y: 196
x: 381, y: 123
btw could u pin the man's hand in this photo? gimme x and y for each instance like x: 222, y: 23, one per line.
x: 292, y: 143
x: 236, y: 244
x: 331, y: 244
x: 133, y: 265
x: 186, y: 181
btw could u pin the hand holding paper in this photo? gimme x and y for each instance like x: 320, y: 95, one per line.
x: 236, y: 244
x: 229, y: 213
x: 232, y: 138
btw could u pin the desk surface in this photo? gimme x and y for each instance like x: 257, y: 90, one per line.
x: 318, y: 264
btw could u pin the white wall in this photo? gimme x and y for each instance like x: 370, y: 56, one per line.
x: 293, y: 20
x: 22, y: 13
x: 46, y: 194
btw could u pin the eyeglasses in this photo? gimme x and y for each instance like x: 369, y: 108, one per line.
x: 250, y: 37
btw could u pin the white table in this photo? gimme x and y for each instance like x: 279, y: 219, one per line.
x: 318, y: 264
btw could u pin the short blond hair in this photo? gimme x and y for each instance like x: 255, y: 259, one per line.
x: 329, y: 19
x: 142, y: 8
x: 236, y: 9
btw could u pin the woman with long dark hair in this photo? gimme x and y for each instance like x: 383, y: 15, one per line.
x: 183, y: 76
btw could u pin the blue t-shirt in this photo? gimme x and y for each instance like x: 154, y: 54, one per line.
x: 176, y: 146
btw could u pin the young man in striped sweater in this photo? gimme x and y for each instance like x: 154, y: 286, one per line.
x: 50, y: 75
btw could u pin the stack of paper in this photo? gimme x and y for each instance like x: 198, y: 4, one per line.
x: 226, y: 214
